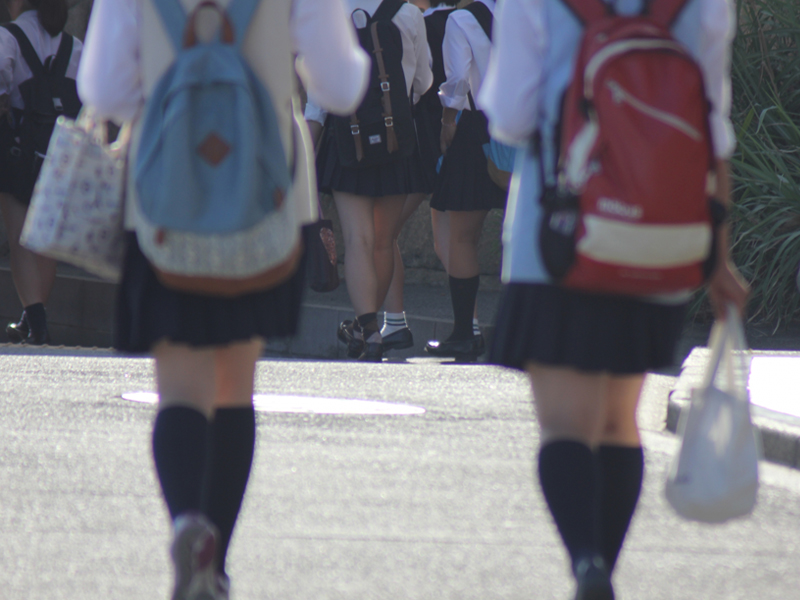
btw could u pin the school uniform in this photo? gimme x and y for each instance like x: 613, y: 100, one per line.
x: 404, y: 175
x: 531, y: 68
x: 13, y: 72
x: 126, y: 54
x: 464, y: 183
x: 428, y: 111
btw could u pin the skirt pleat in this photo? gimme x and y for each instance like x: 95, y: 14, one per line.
x: 550, y: 325
x: 463, y: 183
x: 403, y: 176
x: 148, y: 312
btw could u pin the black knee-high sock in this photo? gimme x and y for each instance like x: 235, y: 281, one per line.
x: 231, y: 445
x: 620, y: 470
x: 567, y: 477
x: 179, y: 450
x: 463, y: 293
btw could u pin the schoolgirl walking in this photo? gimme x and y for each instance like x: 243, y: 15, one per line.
x: 370, y: 163
x: 464, y: 191
x: 38, y: 66
x: 427, y: 119
x: 206, y: 335
x: 584, y: 347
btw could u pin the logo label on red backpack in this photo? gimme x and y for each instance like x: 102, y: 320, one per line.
x: 631, y: 209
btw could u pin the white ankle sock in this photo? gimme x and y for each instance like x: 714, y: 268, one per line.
x: 393, y: 322
x: 476, y: 330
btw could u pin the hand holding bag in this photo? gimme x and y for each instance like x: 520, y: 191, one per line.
x: 714, y: 476
x: 76, y: 213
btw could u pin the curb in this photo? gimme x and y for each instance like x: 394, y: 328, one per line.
x: 780, y: 433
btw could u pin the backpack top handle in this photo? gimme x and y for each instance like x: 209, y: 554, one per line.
x: 236, y: 20
x: 227, y: 34
x: 663, y: 12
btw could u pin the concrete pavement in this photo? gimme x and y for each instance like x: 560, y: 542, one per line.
x: 429, y: 506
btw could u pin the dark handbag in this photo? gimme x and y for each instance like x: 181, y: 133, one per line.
x: 323, y: 274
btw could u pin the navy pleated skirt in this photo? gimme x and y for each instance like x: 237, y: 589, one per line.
x: 148, y: 312
x: 554, y: 326
x: 463, y: 183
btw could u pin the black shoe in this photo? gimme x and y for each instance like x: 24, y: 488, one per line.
x: 462, y: 349
x: 17, y: 332
x: 345, y: 334
x: 399, y: 340
x: 373, y: 352
x: 38, y: 338
x: 594, y: 582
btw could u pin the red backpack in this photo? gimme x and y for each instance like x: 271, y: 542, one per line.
x: 631, y: 211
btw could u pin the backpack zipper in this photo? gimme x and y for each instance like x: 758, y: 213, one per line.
x: 620, y: 95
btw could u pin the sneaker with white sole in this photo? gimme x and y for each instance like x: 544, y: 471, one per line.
x: 194, y: 548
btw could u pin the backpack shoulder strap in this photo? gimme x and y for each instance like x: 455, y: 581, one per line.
x: 60, y: 63
x: 387, y: 10
x: 25, y: 46
x: 483, y: 15
x: 173, y: 17
x: 665, y: 12
x: 240, y: 13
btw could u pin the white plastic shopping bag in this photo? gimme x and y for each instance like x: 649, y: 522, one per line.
x: 714, y: 476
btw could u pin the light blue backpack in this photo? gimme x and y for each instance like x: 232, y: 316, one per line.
x: 211, y: 174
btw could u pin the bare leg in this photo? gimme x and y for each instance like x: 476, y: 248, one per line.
x: 465, y: 233
x: 588, y: 462
x: 203, y: 442
x: 394, y: 297
x: 388, y: 213
x: 440, y: 221
x: 32, y: 273
x: 358, y: 227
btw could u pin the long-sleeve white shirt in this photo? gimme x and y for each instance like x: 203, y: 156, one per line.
x: 466, y: 52
x: 511, y: 95
x: 416, y: 53
x: 331, y: 64
x: 13, y: 68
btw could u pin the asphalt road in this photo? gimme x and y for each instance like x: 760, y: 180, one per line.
x: 441, y: 505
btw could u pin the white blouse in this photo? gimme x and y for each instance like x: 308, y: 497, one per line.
x: 511, y: 94
x: 466, y: 58
x: 416, y: 53
x: 332, y: 66
x: 13, y: 68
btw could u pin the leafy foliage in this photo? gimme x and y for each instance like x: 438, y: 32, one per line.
x: 766, y: 167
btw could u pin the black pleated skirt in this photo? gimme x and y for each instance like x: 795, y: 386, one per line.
x: 553, y: 326
x: 463, y: 182
x: 147, y: 312
x: 403, y: 176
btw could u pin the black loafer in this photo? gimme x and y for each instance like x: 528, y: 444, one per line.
x: 457, y: 349
x: 594, y: 582
x: 345, y: 335
x: 399, y: 340
x: 373, y: 352
x: 38, y: 338
x: 18, y: 332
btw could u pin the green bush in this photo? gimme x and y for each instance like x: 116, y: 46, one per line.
x: 766, y: 167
